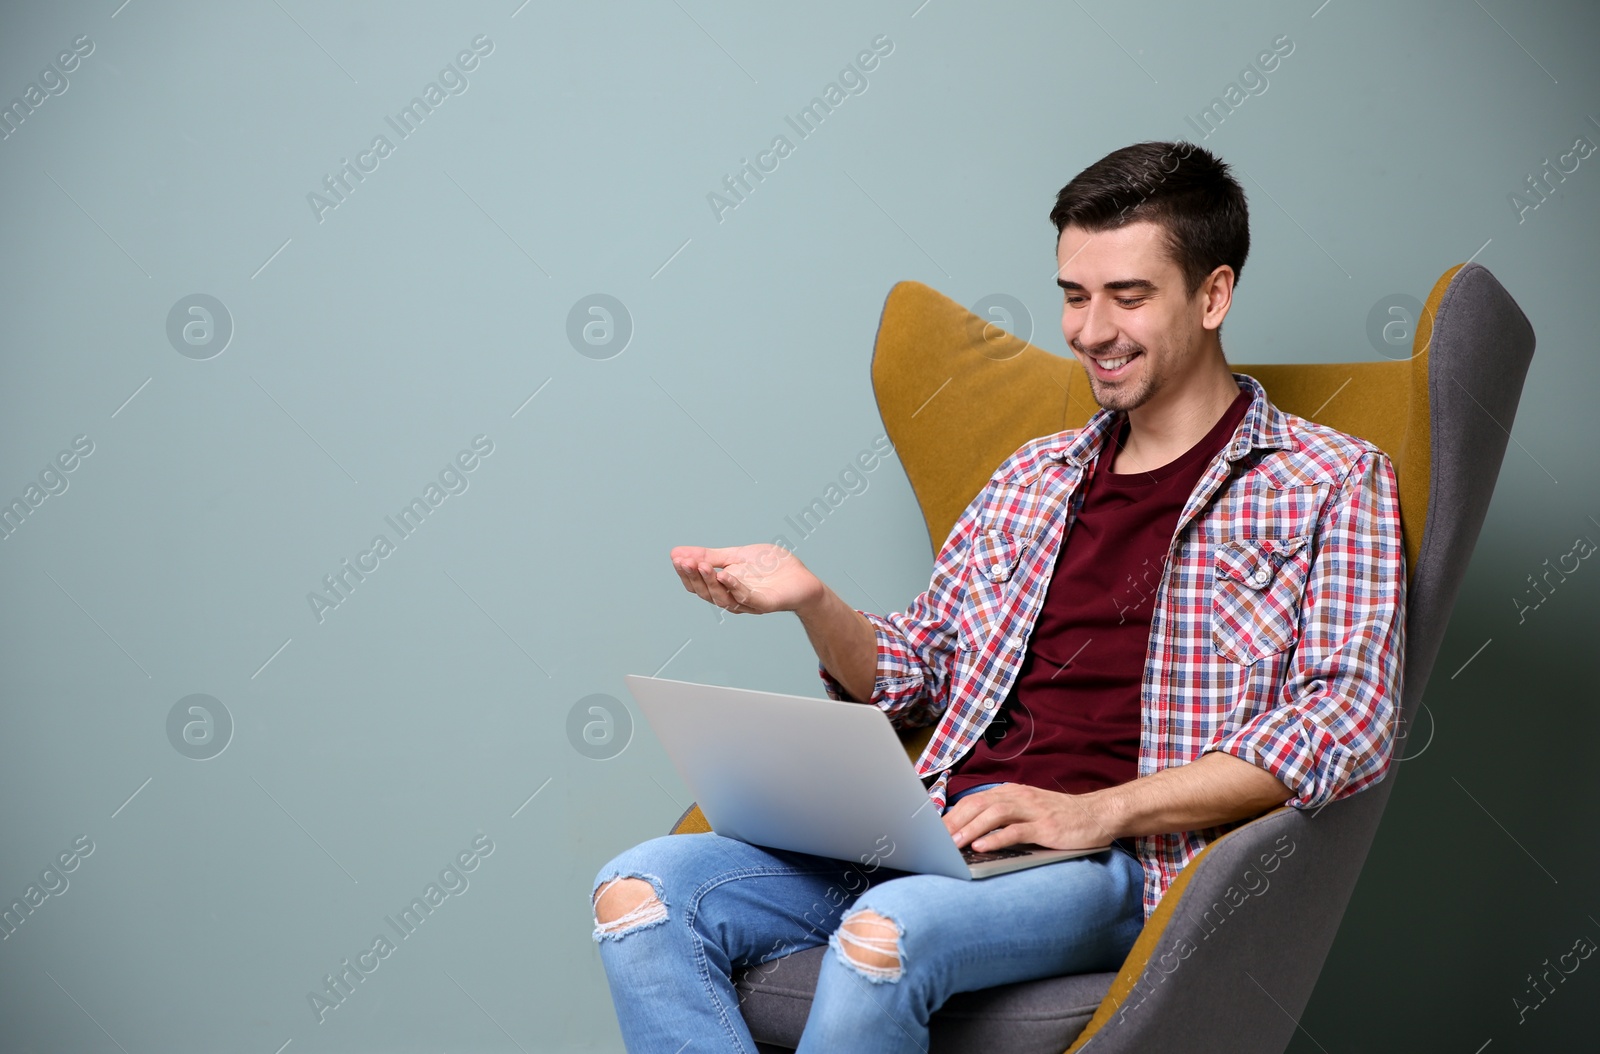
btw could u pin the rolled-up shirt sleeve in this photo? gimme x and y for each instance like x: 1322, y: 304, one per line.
x: 1333, y: 731
x: 915, y: 646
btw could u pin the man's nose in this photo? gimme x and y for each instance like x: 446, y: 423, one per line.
x: 1096, y: 328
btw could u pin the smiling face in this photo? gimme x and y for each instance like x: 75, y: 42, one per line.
x: 1124, y: 295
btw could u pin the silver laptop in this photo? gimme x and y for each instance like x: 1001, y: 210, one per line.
x: 810, y: 775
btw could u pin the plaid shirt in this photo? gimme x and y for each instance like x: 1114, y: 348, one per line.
x: 1277, y: 630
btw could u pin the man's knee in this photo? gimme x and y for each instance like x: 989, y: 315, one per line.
x: 871, y: 944
x: 623, y: 904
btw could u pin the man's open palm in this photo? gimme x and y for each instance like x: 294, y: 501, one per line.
x: 746, y: 579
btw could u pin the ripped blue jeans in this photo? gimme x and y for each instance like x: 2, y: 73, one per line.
x: 901, y: 943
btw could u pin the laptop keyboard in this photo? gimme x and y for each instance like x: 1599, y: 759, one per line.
x: 973, y: 856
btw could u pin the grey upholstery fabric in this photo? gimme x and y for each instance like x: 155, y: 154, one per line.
x: 1236, y: 966
x: 1035, y: 1017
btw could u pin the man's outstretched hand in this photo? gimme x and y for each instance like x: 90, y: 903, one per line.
x: 747, y: 579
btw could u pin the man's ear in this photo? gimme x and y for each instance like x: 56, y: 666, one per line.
x: 1216, y: 294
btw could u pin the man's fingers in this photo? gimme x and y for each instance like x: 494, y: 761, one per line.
x: 707, y: 573
x: 690, y: 579
x: 693, y: 581
x: 1002, y: 836
x: 728, y: 582
x: 699, y: 578
x: 988, y: 814
x: 720, y: 594
x: 703, y: 584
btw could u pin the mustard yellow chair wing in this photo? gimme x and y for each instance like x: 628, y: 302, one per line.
x: 958, y: 396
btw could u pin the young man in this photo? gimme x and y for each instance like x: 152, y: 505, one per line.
x: 1143, y: 632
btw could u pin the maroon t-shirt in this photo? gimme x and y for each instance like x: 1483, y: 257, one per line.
x: 1071, y: 720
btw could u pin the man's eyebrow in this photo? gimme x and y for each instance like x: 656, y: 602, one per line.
x: 1143, y: 284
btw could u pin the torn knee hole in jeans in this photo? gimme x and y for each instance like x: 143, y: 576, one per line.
x: 874, y: 948
x: 648, y: 912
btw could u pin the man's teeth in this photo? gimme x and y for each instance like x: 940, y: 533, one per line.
x: 1114, y: 364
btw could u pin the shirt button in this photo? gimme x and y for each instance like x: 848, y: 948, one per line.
x: 1261, y: 576
x: 988, y: 704
x: 997, y: 572
x: 1016, y: 642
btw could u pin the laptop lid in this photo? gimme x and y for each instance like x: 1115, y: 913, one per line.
x: 810, y: 775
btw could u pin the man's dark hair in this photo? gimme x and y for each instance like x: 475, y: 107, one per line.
x: 1181, y: 186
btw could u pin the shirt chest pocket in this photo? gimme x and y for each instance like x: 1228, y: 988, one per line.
x: 1257, y: 588
x: 992, y: 564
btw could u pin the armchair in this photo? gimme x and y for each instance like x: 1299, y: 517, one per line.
x: 1209, y: 972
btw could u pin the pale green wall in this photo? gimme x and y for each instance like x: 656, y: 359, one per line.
x: 369, y: 346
